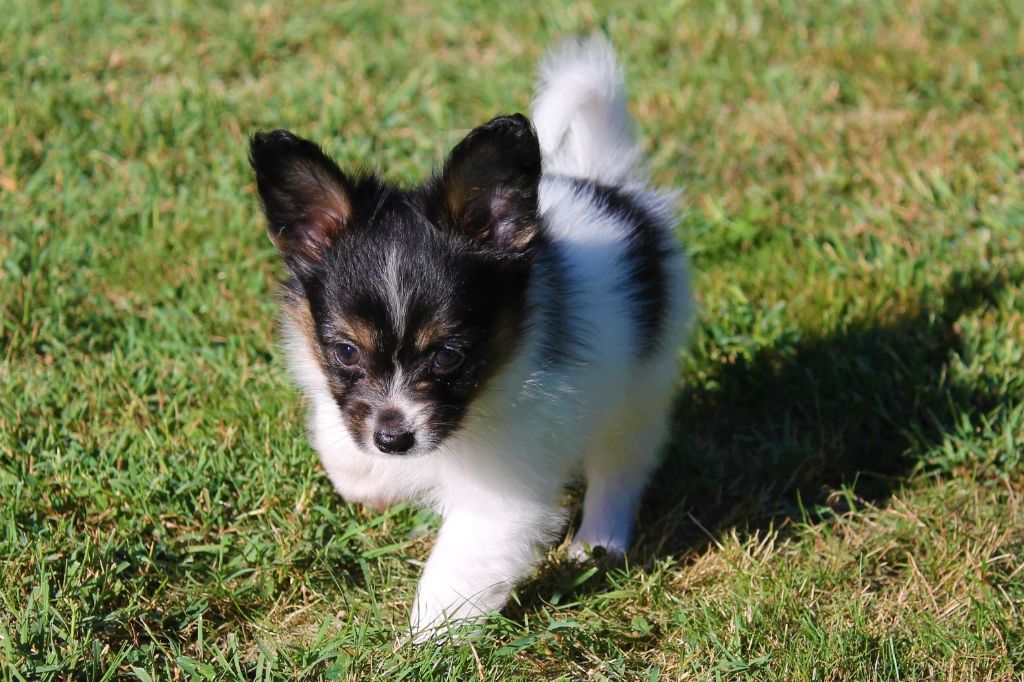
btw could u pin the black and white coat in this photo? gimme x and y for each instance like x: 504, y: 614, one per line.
x: 562, y: 296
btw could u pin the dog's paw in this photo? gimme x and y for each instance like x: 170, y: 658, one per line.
x: 610, y: 552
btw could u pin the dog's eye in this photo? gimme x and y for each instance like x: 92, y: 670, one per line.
x: 347, y: 354
x: 447, y: 359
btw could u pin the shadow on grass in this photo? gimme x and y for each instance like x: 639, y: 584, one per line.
x: 767, y: 440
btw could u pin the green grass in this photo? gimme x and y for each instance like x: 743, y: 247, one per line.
x: 842, y: 496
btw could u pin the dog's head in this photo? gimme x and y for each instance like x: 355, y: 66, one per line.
x: 410, y: 299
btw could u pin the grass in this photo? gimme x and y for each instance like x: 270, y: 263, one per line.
x: 842, y: 495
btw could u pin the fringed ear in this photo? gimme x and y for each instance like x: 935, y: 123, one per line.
x: 306, y: 198
x: 489, y: 184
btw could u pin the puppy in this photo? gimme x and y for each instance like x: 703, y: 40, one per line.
x: 476, y: 342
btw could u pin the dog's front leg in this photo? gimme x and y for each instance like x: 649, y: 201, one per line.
x: 480, y: 555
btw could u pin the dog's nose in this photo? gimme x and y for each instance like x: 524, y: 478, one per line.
x: 393, y: 441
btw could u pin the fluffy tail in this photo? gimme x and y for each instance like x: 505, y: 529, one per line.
x: 580, y: 114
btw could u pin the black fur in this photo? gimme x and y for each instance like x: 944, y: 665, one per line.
x: 304, y: 195
x: 562, y: 340
x: 458, y: 251
x: 647, y: 251
x: 489, y: 185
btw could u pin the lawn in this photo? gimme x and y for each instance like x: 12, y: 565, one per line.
x: 842, y: 495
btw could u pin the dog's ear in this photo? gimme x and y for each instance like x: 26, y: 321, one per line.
x: 489, y: 184
x: 306, y: 198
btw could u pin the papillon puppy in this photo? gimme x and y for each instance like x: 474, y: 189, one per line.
x: 477, y: 342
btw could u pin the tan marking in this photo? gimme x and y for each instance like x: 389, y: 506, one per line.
x: 297, y: 309
x: 358, y: 332
x: 327, y: 213
x: 431, y: 335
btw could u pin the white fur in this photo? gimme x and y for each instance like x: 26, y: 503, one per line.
x: 393, y: 292
x: 580, y: 114
x: 498, y: 479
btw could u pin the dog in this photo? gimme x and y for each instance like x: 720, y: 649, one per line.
x: 476, y: 342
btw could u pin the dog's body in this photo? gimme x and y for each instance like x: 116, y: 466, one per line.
x: 494, y: 332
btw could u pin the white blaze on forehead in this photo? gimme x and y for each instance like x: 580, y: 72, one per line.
x: 395, y: 297
x: 397, y: 384
x: 399, y: 395
x: 401, y: 398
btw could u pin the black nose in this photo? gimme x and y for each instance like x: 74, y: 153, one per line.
x: 393, y: 441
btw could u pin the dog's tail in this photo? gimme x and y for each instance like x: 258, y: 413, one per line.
x: 580, y: 114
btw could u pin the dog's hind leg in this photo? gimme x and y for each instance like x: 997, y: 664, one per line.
x: 617, y: 467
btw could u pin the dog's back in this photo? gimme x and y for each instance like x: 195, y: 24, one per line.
x: 628, y: 282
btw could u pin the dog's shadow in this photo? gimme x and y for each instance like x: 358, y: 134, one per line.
x: 766, y: 439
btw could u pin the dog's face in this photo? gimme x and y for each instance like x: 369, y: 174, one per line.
x: 411, y: 299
